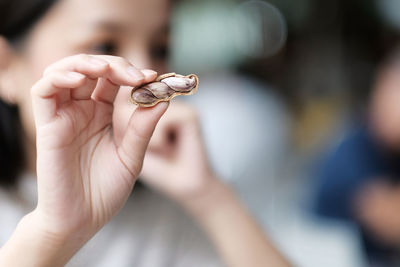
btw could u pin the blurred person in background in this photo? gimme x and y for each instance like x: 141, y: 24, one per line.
x: 74, y: 205
x: 359, y: 181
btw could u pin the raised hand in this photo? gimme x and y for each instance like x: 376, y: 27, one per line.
x: 84, y: 176
x: 176, y: 162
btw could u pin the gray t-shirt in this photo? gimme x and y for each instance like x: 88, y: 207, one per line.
x: 149, y: 231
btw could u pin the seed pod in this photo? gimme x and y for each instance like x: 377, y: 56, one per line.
x: 164, y: 88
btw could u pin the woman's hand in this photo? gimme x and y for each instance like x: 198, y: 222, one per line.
x: 176, y: 162
x: 84, y: 177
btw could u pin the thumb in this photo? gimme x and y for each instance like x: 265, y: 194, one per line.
x: 137, y: 135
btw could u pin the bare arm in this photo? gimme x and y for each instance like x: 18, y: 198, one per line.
x: 238, y: 238
x: 178, y: 167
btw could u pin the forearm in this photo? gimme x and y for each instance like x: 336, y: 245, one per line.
x: 32, y: 245
x: 237, y: 237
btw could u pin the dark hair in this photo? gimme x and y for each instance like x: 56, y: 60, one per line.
x: 16, y: 19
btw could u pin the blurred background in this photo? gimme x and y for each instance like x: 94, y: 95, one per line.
x: 299, y: 104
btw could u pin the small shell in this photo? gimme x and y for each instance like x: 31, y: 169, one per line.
x: 180, y: 84
x: 158, y: 89
x: 164, y: 88
x: 143, y: 96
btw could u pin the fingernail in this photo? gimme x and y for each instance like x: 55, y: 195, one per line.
x: 134, y: 73
x: 147, y: 72
x: 75, y: 76
x: 98, y: 62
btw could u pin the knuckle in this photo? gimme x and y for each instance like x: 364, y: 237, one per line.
x: 78, y: 58
x: 48, y: 70
x: 52, y: 78
x: 124, y: 61
x: 34, y: 89
x: 81, y: 56
x: 52, y: 75
x: 37, y: 87
x: 120, y: 60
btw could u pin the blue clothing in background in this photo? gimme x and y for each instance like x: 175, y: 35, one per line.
x: 358, y: 160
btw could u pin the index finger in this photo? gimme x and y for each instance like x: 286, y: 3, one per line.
x: 118, y: 70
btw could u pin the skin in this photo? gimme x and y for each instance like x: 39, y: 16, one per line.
x: 377, y: 209
x: 184, y: 174
x: 376, y: 204
x: 384, y: 108
x: 134, y: 36
x: 90, y: 141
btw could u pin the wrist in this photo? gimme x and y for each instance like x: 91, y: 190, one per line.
x: 212, y: 196
x: 40, y: 246
x: 57, y: 237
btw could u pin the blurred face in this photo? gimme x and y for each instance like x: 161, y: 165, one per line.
x: 385, y: 108
x: 134, y: 29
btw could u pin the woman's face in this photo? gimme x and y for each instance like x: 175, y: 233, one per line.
x: 134, y: 29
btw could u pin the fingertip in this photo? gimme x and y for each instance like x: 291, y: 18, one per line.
x: 163, y: 105
x: 161, y: 108
x: 97, y: 67
x: 148, y: 72
x: 149, y: 75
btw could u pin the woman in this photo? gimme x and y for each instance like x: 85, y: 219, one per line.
x: 86, y: 144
